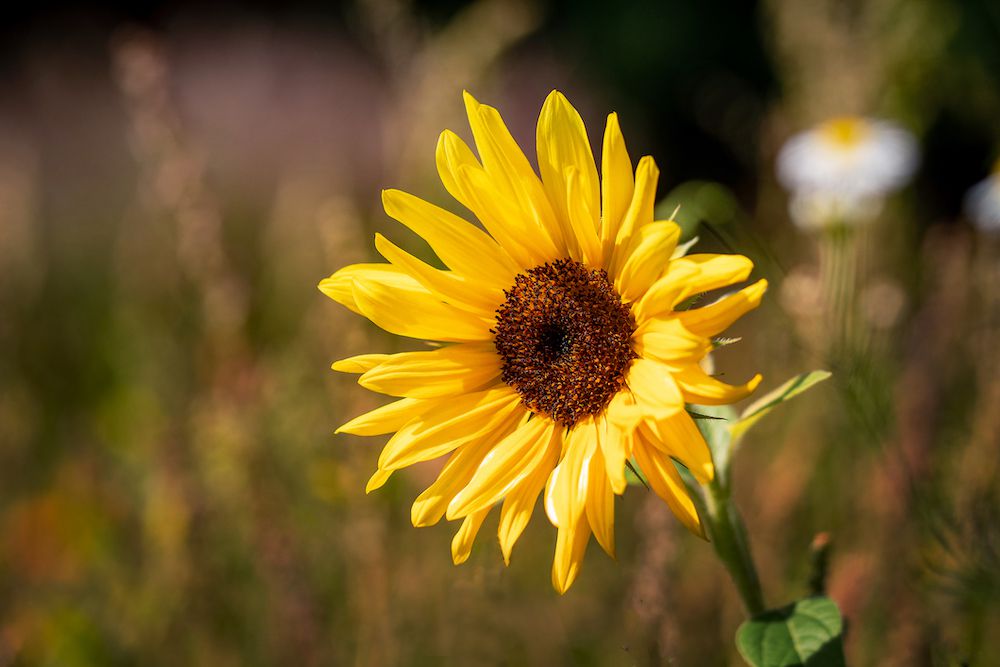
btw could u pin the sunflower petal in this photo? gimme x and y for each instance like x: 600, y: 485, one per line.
x: 647, y: 258
x: 654, y: 388
x: 678, y: 436
x: 669, y: 342
x: 665, y: 481
x: 463, y: 247
x: 617, y: 182
x: 715, y: 271
x: 600, y: 505
x: 388, y: 418
x: 571, y: 545
x: 451, y: 155
x: 699, y: 387
x: 461, y: 544
x: 563, y: 145
x: 447, y: 371
x: 639, y: 212
x: 458, y: 421
x: 377, y: 480
x: 528, y: 244
x: 715, y: 318
x: 468, y: 294
x: 512, y: 460
x: 614, y: 453
x: 417, y: 313
x: 340, y: 286
x: 519, y: 504
x: 510, y: 170
x: 361, y: 363
x: 668, y: 290
x: 586, y: 244
x: 431, y: 505
x: 566, y: 491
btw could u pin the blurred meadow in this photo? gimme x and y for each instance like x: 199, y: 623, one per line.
x: 174, y: 181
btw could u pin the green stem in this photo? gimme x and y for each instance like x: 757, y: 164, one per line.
x: 729, y: 538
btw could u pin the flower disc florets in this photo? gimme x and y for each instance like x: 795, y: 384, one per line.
x: 565, y: 338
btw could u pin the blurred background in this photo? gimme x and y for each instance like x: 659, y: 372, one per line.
x: 174, y: 181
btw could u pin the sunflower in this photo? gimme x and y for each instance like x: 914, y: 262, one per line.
x: 559, y: 353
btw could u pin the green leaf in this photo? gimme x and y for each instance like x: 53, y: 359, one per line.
x: 756, y: 410
x: 699, y: 201
x: 804, y: 634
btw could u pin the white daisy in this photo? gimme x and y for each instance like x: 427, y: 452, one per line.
x: 842, y: 169
x: 982, y: 202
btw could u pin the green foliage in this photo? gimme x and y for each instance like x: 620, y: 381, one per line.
x: 806, y: 634
x: 725, y: 432
x: 759, y: 408
x: 696, y: 202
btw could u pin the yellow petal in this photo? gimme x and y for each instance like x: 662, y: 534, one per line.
x: 519, y: 504
x: 430, y: 505
x: 678, y: 436
x: 528, y: 244
x: 583, y: 242
x: 509, y: 169
x: 668, y: 341
x: 698, y: 387
x: 665, y: 481
x: 624, y: 411
x: 571, y: 545
x: 462, y: 246
x: 512, y: 460
x: 617, y: 182
x: 454, y: 423
x: 715, y: 271
x: 468, y: 294
x: 451, y: 156
x: 361, y: 363
x: 562, y: 142
x: 461, y: 544
x: 669, y: 290
x: 639, y: 212
x: 388, y: 418
x: 340, y: 286
x: 654, y: 387
x: 566, y: 490
x: 376, y: 481
x: 614, y: 452
x: 647, y: 258
x: 601, y: 503
x: 713, y: 319
x: 502, y: 157
x: 447, y: 371
x: 417, y: 313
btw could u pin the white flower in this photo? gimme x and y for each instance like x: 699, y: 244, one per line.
x: 982, y: 202
x: 841, y: 170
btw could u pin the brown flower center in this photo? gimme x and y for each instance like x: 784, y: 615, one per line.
x: 565, y: 338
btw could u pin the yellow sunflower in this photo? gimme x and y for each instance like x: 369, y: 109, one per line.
x: 559, y: 353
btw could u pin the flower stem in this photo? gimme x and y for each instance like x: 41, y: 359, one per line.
x: 729, y: 538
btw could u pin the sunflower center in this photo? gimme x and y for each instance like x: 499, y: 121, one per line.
x: 565, y: 338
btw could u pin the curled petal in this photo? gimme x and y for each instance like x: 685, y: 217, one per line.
x: 715, y: 318
x: 699, y: 387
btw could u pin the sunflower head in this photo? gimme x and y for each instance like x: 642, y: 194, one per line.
x: 561, y: 348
